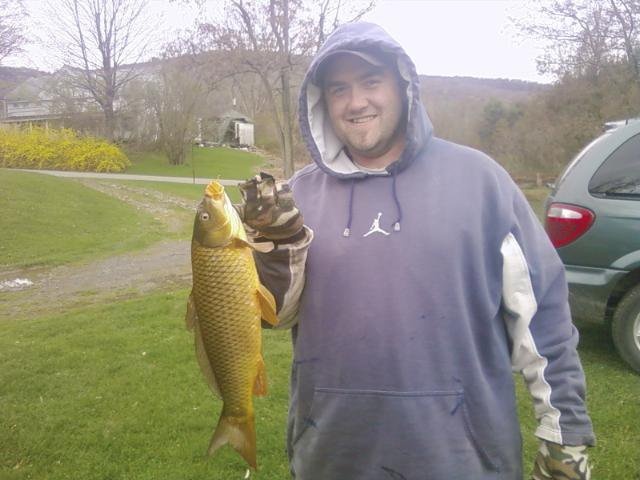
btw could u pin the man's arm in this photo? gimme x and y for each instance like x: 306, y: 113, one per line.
x: 273, y: 220
x: 544, y: 341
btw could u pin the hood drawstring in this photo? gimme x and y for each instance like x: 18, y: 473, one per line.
x: 396, y: 225
x: 347, y: 230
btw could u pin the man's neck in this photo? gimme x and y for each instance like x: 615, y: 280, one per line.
x: 383, y: 160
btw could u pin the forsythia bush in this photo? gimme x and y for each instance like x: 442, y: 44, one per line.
x: 58, y: 149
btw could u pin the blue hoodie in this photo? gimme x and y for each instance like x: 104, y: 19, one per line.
x: 406, y: 330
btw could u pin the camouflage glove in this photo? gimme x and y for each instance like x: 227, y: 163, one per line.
x: 561, y: 462
x: 270, y: 210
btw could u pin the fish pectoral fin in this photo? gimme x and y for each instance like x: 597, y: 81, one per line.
x: 191, y: 317
x: 205, y: 364
x: 262, y: 247
x: 267, y: 305
x: 240, y: 433
x: 260, y: 383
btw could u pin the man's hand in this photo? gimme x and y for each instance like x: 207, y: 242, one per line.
x: 561, y: 462
x: 269, y: 210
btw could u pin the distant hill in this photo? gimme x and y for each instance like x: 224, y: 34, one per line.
x: 456, y: 104
x: 11, y: 77
x: 478, y: 88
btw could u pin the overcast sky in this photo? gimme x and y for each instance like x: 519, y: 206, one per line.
x: 444, y: 37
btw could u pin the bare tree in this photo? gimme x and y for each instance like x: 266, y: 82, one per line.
x: 269, y: 39
x: 11, y: 35
x: 96, y: 39
x: 584, y: 36
x: 175, y: 97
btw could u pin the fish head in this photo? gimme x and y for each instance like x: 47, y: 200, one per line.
x: 216, y: 222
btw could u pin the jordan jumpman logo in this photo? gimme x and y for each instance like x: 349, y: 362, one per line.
x: 375, y: 227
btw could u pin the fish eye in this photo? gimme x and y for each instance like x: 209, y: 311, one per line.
x: 204, y: 216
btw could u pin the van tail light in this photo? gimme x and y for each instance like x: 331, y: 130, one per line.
x: 566, y: 223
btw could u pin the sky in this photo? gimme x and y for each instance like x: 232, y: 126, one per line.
x: 472, y: 38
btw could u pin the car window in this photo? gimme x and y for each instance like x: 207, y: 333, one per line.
x: 619, y: 174
x: 577, y: 158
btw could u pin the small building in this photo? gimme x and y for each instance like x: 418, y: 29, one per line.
x: 232, y: 128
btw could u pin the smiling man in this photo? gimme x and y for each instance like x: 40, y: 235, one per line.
x: 420, y: 280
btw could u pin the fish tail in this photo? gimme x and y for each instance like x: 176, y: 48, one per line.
x: 240, y: 433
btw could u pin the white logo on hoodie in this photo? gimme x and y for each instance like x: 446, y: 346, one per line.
x: 375, y: 227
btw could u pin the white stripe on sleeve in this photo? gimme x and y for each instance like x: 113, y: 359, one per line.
x: 519, y: 306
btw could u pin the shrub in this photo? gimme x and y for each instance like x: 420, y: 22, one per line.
x: 58, y: 149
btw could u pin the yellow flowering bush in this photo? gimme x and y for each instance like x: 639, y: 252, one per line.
x: 58, y: 149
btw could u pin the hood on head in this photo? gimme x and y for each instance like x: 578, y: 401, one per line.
x: 373, y: 43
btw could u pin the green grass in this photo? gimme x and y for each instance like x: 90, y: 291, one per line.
x: 114, y: 392
x: 46, y: 221
x: 613, y: 400
x: 188, y: 191
x: 536, y: 197
x: 218, y: 162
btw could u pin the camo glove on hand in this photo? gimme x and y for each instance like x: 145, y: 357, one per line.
x: 561, y: 462
x: 270, y: 210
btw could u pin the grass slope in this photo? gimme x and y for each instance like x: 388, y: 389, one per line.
x: 114, y: 392
x: 46, y: 221
x: 218, y: 162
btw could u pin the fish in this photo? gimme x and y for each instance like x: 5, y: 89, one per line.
x: 224, y: 311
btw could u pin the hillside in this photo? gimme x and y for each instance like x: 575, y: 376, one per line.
x: 11, y: 77
x: 456, y: 104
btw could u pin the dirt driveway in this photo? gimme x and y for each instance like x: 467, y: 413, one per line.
x: 162, y: 266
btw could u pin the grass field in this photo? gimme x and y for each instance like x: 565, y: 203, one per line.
x: 206, y: 162
x: 47, y: 221
x: 184, y: 190
x: 114, y: 392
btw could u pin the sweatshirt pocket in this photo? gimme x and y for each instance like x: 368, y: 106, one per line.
x: 369, y: 434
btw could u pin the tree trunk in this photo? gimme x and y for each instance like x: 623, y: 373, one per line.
x: 287, y: 133
x: 109, y: 121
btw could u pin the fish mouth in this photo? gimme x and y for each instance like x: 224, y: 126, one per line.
x: 214, y: 191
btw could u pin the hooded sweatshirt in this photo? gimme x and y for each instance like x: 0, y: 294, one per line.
x: 416, y: 293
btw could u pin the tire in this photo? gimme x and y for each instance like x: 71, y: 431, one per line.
x: 625, y: 328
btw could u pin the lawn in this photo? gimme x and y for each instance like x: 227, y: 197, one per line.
x: 114, y: 392
x: 185, y: 190
x: 208, y: 162
x: 536, y: 197
x: 47, y: 221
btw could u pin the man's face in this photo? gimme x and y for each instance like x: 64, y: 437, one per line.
x: 364, y: 103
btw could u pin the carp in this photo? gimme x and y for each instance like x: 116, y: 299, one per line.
x: 224, y: 311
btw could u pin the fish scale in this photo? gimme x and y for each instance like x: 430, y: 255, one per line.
x: 230, y: 321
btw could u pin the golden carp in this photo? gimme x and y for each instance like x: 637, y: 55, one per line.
x: 224, y: 311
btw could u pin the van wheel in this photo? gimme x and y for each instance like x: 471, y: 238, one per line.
x: 625, y: 328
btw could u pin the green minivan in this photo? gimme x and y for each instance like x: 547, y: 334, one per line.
x: 593, y: 220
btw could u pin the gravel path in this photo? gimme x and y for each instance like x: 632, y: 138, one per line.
x: 163, y: 266
x: 126, y: 176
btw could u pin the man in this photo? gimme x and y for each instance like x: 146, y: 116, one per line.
x: 420, y: 280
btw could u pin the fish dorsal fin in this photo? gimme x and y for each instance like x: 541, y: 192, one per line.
x: 267, y: 305
x: 190, y: 318
x: 201, y: 353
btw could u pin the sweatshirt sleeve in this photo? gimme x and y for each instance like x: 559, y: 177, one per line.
x: 544, y: 340
x: 282, y: 271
